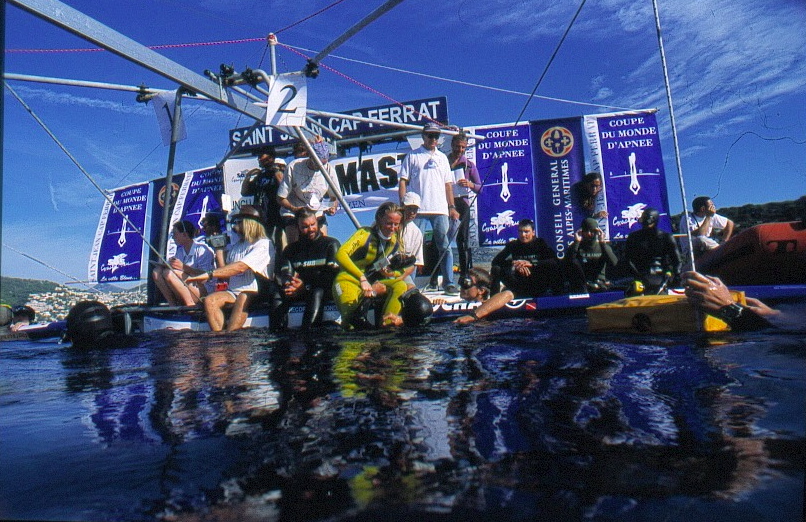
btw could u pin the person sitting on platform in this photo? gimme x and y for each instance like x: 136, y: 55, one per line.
x: 368, y: 271
x: 588, y: 259
x: 252, y: 254
x: 192, y: 258
x: 652, y: 254
x: 411, y: 235
x: 306, y: 270
x: 527, y: 265
x: 702, y: 224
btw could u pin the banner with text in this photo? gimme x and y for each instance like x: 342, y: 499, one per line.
x: 504, y: 160
x: 199, y: 194
x: 559, y: 161
x: 416, y: 112
x: 117, y: 253
x: 625, y: 148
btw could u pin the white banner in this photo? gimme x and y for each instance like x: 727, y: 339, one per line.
x: 163, y: 104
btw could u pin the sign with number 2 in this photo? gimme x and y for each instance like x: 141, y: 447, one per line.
x: 288, y: 101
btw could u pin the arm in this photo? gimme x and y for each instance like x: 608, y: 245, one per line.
x: 452, y: 213
x: 401, y: 190
x: 489, y: 306
x: 225, y: 272
x: 714, y: 298
x: 727, y: 232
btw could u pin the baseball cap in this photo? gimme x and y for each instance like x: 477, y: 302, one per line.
x: 431, y: 127
x: 411, y: 199
x: 589, y: 224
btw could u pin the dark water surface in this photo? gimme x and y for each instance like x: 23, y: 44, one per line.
x: 519, y: 419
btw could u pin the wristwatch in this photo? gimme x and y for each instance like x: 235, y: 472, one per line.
x: 210, y: 274
x: 731, y: 312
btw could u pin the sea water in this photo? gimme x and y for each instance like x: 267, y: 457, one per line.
x: 518, y: 419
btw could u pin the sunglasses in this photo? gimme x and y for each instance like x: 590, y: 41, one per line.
x: 466, y: 283
x: 431, y: 136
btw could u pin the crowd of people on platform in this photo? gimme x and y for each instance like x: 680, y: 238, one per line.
x: 282, y: 249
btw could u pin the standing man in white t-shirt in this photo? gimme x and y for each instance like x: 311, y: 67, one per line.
x: 702, y: 224
x: 426, y: 171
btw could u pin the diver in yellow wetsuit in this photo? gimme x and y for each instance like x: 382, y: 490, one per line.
x: 365, y: 272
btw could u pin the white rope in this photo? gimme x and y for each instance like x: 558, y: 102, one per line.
x: 465, y: 83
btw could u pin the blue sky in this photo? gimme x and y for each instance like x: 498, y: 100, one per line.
x: 737, y: 70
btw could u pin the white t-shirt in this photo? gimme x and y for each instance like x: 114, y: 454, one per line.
x: 201, y: 256
x: 695, y: 222
x: 426, y: 174
x: 303, y: 187
x: 258, y: 256
x: 413, y: 242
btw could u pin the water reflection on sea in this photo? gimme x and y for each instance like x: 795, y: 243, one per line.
x: 516, y: 419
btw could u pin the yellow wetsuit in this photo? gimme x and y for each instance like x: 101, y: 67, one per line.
x: 355, y: 256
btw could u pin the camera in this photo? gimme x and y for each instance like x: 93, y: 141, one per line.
x: 400, y: 261
x: 217, y: 240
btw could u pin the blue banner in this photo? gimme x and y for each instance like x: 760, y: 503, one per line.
x: 417, y: 112
x: 625, y: 148
x: 158, y: 203
x: 118, y: 248
x: 504, y: 160
x: 200, y: 193
x: 559, y: 161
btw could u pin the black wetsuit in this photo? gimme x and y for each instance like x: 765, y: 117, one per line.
x: 651, y: 254
x: 264, y: 190
x: 314, y: 262
x: 588, y: 262
x: 546, y: 271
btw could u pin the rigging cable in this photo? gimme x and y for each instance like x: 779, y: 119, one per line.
x: 32, y: 258
x: 497, y: 161
x: 86, y: 174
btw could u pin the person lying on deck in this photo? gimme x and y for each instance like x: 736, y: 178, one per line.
x: 252, y: 255
x: 475, y: 287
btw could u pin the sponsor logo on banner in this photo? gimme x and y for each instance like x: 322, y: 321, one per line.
x: 557, y: 142
x: 559, y: 164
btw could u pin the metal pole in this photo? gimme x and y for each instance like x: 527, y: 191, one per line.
x: 331, y: 183
x: 166, y: 213
x: 374, y: 15
x: 674, y: 132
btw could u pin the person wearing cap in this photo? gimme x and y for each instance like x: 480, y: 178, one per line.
x: 470, y: 182
x: 652, y: 255
x: 191, y: 258
x: 411, y: 235
x: 589, y: 258
x: 262, y: 184
x: 22, y: 317
x: 426, y: 171
x: 305, y: 186
x: 252, y: 255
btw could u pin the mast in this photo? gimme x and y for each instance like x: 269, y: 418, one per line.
x: 674, y: 131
